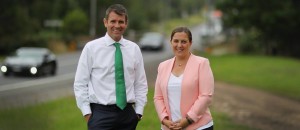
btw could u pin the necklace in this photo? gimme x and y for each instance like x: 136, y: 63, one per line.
x: 180, y: 64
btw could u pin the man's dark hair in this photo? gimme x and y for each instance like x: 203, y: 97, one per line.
x: 118, y: 9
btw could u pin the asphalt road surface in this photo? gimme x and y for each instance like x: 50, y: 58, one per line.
x: 21, y: 90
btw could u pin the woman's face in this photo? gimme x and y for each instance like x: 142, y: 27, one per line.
x: 181, y: 44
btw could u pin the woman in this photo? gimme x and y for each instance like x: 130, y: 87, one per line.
x: 184, y: 87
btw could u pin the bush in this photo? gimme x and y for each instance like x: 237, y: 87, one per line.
x: 76, y: 23
x: 250, y: 43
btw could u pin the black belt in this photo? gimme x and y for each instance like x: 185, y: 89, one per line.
x: 108, y: 107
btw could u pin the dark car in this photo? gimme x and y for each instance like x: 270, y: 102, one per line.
x: 35, y: 61
x: 152, y: 40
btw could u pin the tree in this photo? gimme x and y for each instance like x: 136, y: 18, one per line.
x: 24, y: 21
x: 76, y: 23
x: 16, y: 24
x: 277, y: 22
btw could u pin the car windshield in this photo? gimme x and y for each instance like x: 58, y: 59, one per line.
x: 30, y: 53
x: 151, y: 37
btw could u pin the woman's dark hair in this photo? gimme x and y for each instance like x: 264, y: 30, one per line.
x: 182, y: 29
x: 118, y: 9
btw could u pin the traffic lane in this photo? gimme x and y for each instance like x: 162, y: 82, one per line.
x: 32, y: 92
x: 66, y: 66
x: 42, y: 90
x: 67, y: 63
x: 35, y: 90
x: 21, y: 91
x: 151, y: 64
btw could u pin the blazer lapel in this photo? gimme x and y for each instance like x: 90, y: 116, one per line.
x: 167, y: 73
x: 189, y: 69
x: 165, y: 78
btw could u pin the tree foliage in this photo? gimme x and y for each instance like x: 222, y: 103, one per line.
x: 277, y: 22
x: 22, y: 21
x: 76, y: 23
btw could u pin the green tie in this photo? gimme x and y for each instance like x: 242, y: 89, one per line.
x: 119, y: 78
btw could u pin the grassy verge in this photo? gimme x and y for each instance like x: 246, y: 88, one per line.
x: 55, y: 115
x: 272, y: 74
x: 63, y: 115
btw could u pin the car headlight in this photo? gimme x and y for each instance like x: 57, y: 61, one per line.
x: 33, y: 70
x: 4, y: 69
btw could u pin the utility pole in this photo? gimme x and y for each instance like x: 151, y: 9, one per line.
x: 93, y: 5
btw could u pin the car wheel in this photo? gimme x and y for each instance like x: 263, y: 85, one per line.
x: 40, y: 73
x: 6, y: 74
x: 53, y: 70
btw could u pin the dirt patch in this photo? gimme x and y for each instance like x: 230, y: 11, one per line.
x: 255, y: 108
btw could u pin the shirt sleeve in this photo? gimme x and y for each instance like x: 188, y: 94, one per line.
x: 140, y: 84
x: 82, y: 78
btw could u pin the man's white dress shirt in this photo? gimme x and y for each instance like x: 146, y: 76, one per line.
x: 95, y: 75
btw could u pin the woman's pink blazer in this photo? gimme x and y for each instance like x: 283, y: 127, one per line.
x: 197, y: 89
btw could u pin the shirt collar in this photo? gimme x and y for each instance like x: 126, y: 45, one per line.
x: 110, y: 41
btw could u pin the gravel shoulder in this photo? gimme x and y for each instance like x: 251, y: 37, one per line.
x: 255, y: 108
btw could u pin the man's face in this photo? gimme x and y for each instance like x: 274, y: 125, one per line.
x: 115, y: 25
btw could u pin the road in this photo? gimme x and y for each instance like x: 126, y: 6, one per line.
x: 21, y: 91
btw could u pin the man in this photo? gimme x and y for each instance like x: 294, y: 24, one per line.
x: 97, y: 81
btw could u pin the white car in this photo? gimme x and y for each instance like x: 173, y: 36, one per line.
x: 152, y: 40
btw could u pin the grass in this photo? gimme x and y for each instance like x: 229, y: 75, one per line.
x: 277, y: 75
x: 55, y: 115
x: 63, y: 114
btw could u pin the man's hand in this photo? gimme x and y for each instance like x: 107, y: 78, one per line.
x: 87, y: 117
x: 139, y: 116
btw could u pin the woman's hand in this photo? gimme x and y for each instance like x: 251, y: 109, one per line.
x: 182, y: 123
x: 170, y: 124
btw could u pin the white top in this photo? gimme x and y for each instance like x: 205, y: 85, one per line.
x: 95, y: 76
x: 174, y: 95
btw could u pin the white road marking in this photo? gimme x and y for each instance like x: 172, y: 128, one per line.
x: 37, y: 82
